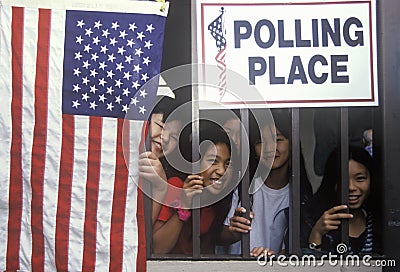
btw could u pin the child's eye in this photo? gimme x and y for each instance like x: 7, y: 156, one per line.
x: 361, y: 178
x: 159, y: 124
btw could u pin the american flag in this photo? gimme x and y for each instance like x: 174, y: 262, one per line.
x: 217, y: 30
x: 69, y: 200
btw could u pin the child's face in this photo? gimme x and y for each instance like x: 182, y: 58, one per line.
x: 279, y: 155
x: 359, y: 184
x: 215, y: 168
x: 164, y: 136
x: 232, y: 128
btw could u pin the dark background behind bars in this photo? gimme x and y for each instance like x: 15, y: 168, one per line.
x: 385, y: 118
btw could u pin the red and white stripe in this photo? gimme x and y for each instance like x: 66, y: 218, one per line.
x: 220, y: 59
x: 68, y: 201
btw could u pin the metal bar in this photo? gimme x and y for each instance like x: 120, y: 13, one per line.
x: 196, y: 199
x: 294, y: 210
x: 244, y: 117
x: 344, y: 166
x: 148, y: 208
x: 195, y: 158
x: 386, y: 132
x: 196, y: 228
x: 148, y: 204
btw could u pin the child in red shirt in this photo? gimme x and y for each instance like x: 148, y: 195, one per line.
x: 172, y: 231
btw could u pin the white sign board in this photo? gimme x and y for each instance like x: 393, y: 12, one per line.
x: 294, y: 53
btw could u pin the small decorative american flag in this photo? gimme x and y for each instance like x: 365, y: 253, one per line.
x: 217, y: 30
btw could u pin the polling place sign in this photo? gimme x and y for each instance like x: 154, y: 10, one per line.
x: 293, y: 53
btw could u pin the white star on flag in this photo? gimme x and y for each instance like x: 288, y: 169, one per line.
x: 135, y: 84
x: 93, y: 73
x: 110, y: 106
x: 128, y: 59
x: 136, y: 68
x: 80, y: 24
x: 75, y: 104
x: 86, y: 64
x: 93, y: 89
x: 93, y: 105
x: 79, y: 39
x: 110, y: 74
x: 140, y: 36
x: 150, y: 28
x: 76, y: 72
x: 102, y: 65
x: 111, y: 58
x: 142, y: 110
x: 102, y: 82
x: 120, y: 66
x: 85, y: 97
x: 110, y: 90
x: 143, y: 93
x: 134, y: 100
x: 115, y: 25
x: 148, y: 44
x: 102, y: 98
x: 87, y: 48
x: 96, y: 40
x: 104, y: 49
x: 145, y: 77
x: 76, y: 88
x: 146, y: 61
x: 132, y: 27
x: 94, y: 57
x: 130, y: 43
x: 126, y: 92
x: 113, y: 41
x: 138, y: 52
x: 105, y: 33
x: 85, y: 81
x: 78, y: 55
x: 88, y: 32
x: 122, y: 34
x: 97, y: 24
x: 127, y: 75
x: 125, y: 108
x: 118, y: 83
x: 121, y: 50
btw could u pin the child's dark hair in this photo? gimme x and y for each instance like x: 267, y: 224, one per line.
x: 211, y: 133
x: 166, y: 105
